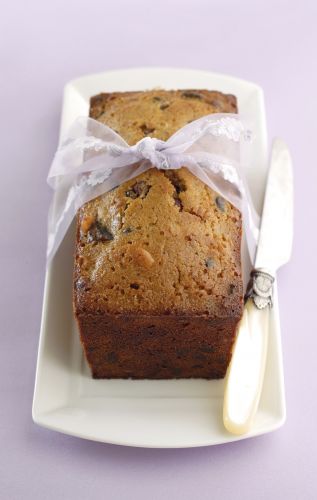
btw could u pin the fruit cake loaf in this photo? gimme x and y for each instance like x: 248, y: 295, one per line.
x: 157, y: 278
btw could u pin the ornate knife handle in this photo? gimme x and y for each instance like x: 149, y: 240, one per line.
x: 260, y: 289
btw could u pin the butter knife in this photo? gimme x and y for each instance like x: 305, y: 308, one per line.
x: 245, y: 373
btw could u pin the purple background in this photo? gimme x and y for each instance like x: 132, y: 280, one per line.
x: 43, y: 45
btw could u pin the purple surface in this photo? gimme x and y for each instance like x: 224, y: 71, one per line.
x: 43, y: 45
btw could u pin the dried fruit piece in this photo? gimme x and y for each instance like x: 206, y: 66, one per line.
x: 199, y: 356
x: 131, y: 194
x: 231, y: 288
x: 206, y: 348
x: 80, y: 284
x: 111, y: 357
x: 135, y: 286
x: 181, y: 352
x: 127, y: 230
x: 221, y: 204
x: 143, y: 257
x: 140, y: 188
x: 209, y: 263
x: 86, y: 223
x: 146, y: 129
x: 82, y: 261
x: 178, y: 202
x: 192, y: 95
x: 164, y: 105
x: 99, y: 232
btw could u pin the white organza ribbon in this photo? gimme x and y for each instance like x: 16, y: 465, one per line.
x: 93, y: 159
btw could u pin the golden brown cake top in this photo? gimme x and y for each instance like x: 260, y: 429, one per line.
x: 161, y: 243
x: 157, y: 113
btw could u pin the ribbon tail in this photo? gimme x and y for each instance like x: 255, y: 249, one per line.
x: 58, y: 224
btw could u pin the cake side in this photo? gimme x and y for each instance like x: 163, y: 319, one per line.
x: 159, y: 250
x: 157, y: 347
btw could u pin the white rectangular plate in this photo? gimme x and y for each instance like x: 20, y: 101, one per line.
x: 169, y: 413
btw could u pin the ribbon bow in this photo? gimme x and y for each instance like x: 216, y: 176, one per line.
x: 151, y: 149
x: 93, y: 159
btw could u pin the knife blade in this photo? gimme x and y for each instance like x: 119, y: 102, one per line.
x: 245, y: 373
x: 276, y: 234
